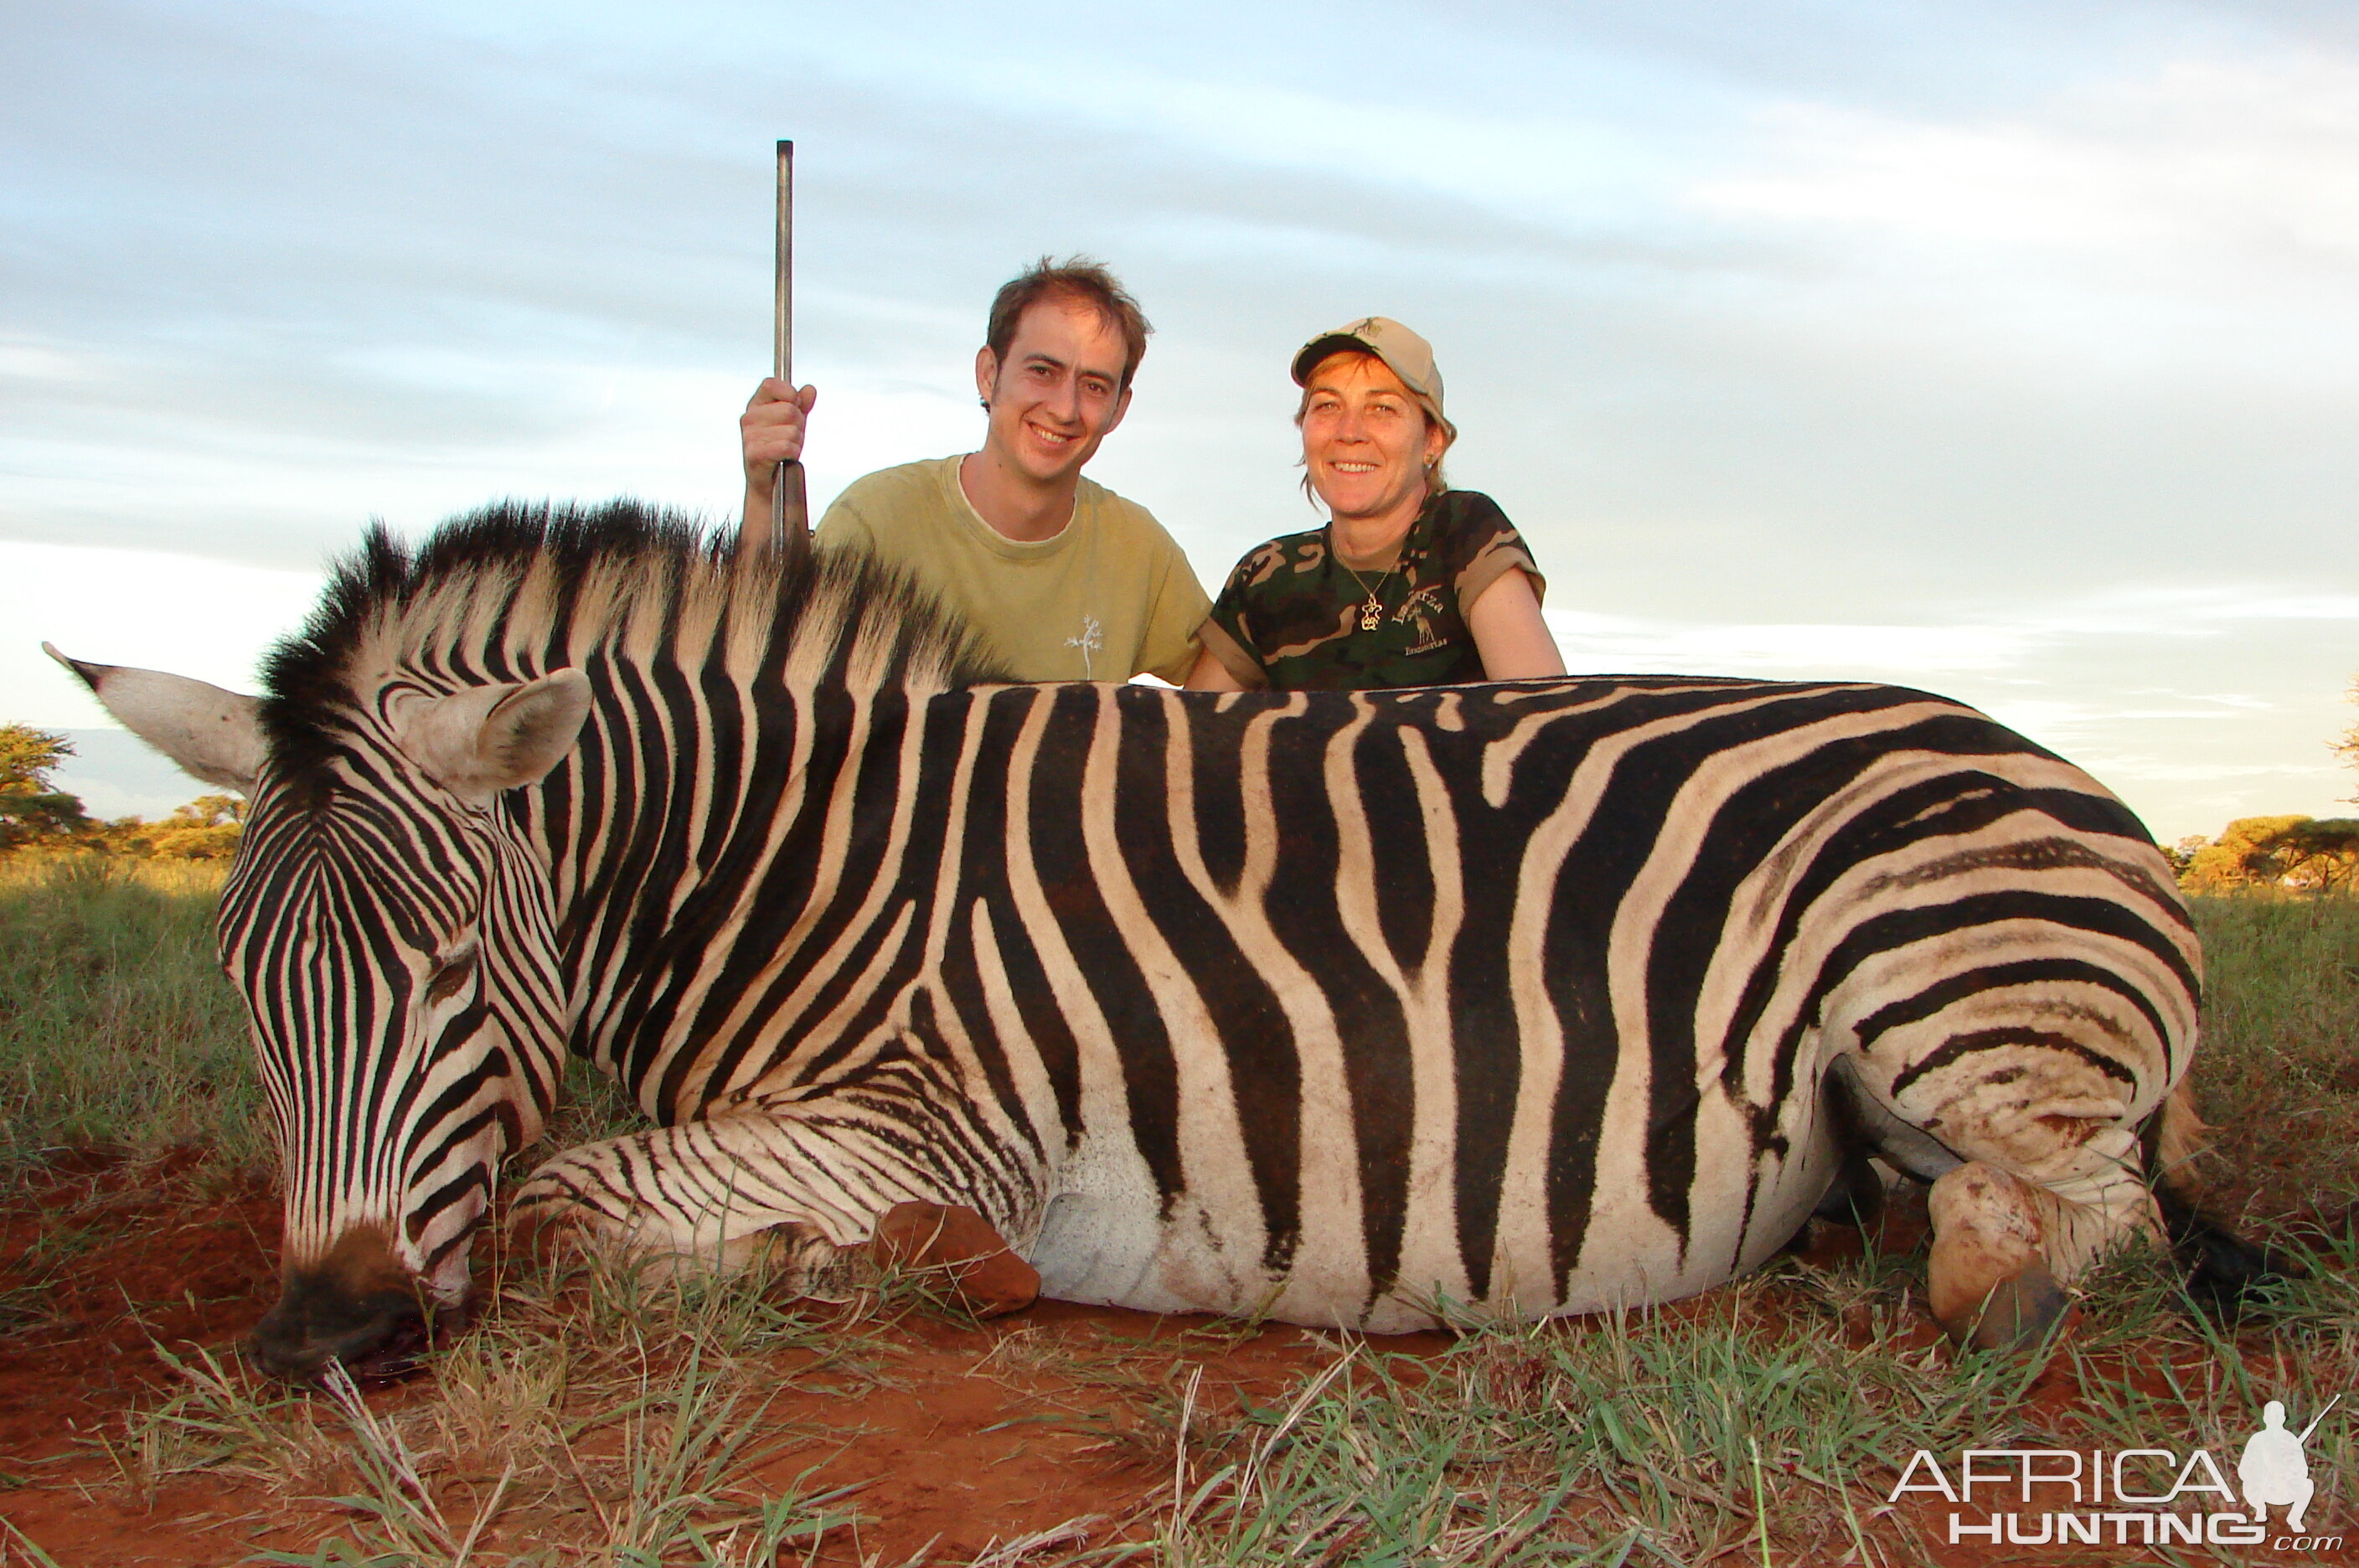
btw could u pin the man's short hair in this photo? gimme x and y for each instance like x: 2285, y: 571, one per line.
x: 1075, y: 277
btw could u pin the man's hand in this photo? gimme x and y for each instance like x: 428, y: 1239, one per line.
x: 769, y: 432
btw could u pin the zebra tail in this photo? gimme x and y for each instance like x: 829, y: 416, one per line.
x: 2226, y: 1274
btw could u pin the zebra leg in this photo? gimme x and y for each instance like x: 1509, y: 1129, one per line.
x: 961, y: 1246
x: 812, y: 1191
x: 2045, y: 1197
x: 2224, y: 1271
x: 1989, y: 1279
x: 2036, y: 1173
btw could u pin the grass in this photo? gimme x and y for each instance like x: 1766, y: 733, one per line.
x: 587, y: 1416
x: 1685, y: 1433
x: 593, y: 1415
x: 115, y: 957
x: 2278, y: 1067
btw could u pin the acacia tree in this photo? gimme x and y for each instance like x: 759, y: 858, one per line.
x: 2276, y: 852
x: 2348, y: 746
x: 2246, y: 854
x: 2321, y: 855
x: 207, y: 828
x: 30, y: 809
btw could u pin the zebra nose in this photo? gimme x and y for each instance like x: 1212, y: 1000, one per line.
x: 375, y: 1332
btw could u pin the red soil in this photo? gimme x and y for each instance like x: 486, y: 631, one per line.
x: 972, y: 1446
x: 980, y: 1433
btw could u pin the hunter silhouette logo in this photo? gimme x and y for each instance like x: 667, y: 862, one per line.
x: 2274, y: 1472
x: 2135, y: 1497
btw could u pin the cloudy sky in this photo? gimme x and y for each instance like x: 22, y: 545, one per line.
x: 2010, y: 350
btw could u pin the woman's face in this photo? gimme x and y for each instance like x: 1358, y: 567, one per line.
x: 1365, y: 439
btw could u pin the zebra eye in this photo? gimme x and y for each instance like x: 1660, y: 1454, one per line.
x: 452, y: 973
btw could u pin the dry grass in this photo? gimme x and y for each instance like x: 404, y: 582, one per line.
x: 629, y: 1445
x: 2278, y: 1071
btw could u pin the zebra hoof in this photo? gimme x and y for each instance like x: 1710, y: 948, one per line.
x: 2016, y: 1315
x: 983, y: 1271
x: 1988, y: 1278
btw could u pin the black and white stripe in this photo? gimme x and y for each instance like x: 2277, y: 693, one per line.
x: 1335, y: 1006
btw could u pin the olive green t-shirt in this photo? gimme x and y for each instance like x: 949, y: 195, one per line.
x: 1109, y: 596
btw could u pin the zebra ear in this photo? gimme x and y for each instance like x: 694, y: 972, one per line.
x: 485, y: 739
x: 214, y: 734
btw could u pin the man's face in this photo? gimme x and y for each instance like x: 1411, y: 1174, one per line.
x: 1058, y: 391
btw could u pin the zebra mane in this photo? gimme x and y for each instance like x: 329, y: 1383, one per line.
x: 518, y: 589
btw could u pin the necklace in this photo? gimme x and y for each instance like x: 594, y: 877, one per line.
x: 1371, y: 614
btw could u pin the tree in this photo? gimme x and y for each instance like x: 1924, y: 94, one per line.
x: 207, y: 828
x: 2183, y: 853
x: 30, y: 810
x: 2242, y: 856
x: 2276, y: 852
x: 2321, y: 854
x: 2348, y: 746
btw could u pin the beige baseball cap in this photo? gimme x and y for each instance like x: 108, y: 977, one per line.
x: 1408, y: 356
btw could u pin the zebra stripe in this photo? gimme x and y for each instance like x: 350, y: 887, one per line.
x: 1340, y: 1006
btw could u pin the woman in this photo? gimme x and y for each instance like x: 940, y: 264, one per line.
x: 1409, y: 583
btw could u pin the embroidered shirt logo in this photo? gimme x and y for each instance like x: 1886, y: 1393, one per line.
x: 1091, y: 640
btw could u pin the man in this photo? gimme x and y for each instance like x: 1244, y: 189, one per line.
x: 1067, y: 580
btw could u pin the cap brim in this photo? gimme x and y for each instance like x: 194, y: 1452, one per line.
x: 1318, y: 349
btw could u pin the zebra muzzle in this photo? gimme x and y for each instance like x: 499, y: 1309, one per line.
x: 359, y: 1310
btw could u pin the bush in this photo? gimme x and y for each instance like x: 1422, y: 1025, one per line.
x: 207, y: 828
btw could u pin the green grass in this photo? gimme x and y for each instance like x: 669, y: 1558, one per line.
x: 2278, y: 1069
x: 607, y: 1417
x: 116, y: 1027
x: 1767, y: 1421
x: 118, y: 1030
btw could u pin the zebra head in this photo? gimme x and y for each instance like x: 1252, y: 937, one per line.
x: 390, y: 930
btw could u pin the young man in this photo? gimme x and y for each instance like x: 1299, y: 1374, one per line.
x: 1065, y: 578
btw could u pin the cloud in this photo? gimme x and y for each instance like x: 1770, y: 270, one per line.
x: 2007, y: 349
x: 2208, y: 153
x: 2209, y: 208
x: 1630, y: 643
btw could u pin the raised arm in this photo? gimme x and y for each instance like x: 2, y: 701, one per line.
x: 769, y: 432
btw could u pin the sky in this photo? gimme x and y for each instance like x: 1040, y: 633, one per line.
x: 2008, y: 350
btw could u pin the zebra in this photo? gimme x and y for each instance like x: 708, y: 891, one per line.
x: 1375, y: 1009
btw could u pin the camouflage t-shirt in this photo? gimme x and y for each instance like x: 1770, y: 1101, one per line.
x: 1292, y: 616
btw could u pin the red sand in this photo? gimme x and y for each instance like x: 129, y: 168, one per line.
x: 985, y: 1434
